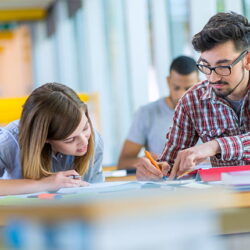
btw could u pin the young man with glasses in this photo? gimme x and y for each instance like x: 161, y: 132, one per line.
x: 218, y: 109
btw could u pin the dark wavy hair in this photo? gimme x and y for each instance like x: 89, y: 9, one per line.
x: 221, y: 28
x: 183, y: 65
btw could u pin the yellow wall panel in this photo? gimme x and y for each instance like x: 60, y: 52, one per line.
x: 22, y: 14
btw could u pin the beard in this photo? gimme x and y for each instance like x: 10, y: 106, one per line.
x: 220, y: 92
x: 227, y: 92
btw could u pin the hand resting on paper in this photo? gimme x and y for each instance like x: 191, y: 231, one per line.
x: 62, y: 180
x: 188, y: 158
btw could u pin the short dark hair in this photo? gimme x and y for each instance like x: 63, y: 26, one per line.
x: 183, y: 65
x: 221, y: 28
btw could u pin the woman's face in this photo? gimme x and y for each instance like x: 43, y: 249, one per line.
x: 75, y: 144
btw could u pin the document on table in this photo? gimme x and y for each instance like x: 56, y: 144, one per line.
x: 102, y: 187
x: 105, y: 187
x: 125, y: 185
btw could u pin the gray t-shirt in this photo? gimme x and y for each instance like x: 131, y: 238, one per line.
x: 236, y: 105
x: 150, y: 125
x: 10, y: 157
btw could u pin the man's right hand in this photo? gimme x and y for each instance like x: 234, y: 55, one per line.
x: 145, y: 170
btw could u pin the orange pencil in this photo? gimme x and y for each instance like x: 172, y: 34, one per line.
x: 185, y: 173
x: 152, y: 160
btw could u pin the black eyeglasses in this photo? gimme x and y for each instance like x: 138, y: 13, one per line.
x: 220, y: 70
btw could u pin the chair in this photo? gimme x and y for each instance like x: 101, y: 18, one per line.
x: 11, y: 108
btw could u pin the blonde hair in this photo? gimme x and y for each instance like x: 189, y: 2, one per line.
x: 52, y: 111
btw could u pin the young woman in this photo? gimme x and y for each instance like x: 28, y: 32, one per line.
x: 51, y: 146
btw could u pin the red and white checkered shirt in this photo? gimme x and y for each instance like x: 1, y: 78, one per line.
x: 202, y: 114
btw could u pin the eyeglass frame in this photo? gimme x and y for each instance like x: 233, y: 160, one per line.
x: 229, y: 67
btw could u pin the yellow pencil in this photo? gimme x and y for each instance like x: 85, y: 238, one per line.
x: 185, y: 173
x: 149, y: 156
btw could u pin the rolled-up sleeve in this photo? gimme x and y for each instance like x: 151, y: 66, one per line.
x: 235, y: 147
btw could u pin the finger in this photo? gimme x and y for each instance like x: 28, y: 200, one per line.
x: 173, y: 173
x: 139, y: 175
x: 175, y: 169
x: 75, y: 183
x: 70, y: 185
x: 70, y: 172
x: 72, y: 181
x: 76, y: 177
x: 84, y: 184
x: 165, y: 168
x: 143, y: 174
x: 182, y: 168
x: 152, y: 173
x: 186, y: 165
x: 151, y: 168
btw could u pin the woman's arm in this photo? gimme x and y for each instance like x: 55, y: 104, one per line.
x: 51, y: 183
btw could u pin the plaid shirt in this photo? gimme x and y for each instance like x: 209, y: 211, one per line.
x: 202, y: 114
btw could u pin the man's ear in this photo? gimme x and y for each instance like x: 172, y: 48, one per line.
x: 247, y: 66
x: 168, y: 80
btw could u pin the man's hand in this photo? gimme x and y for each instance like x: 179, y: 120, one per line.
x: 145, y: 170
x: 187, y: 159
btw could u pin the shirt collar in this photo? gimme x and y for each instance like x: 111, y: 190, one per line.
x: 208, y: 94
x: 57, y: 156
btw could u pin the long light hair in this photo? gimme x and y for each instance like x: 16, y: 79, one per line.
x: 52, y: 112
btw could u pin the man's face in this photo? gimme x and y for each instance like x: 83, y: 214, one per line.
x: 222, y: 55
x: 179, y: 84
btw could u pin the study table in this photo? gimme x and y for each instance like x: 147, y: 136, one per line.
x: 235, y: 212
x: 222, y: 212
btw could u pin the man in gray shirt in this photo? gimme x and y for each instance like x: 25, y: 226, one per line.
x: 152, y: 121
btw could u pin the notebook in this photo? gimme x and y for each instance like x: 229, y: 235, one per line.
x: 236, y: 178
x: 214, y: 174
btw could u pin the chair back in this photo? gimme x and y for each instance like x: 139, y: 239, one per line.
x: 11, y: 108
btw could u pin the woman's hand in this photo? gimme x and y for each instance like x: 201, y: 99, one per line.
x: 62, y: 179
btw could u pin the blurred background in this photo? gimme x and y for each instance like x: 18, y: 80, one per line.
x: 120, y: 49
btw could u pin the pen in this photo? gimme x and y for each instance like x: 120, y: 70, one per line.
x: 185, y: 173
x: 78, y: 177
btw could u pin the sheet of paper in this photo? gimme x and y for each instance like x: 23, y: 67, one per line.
x: 197, y: 185
x: 103, y: 186
x: 178, y: 182
x: 108, y: 187
x: 123, y: 185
